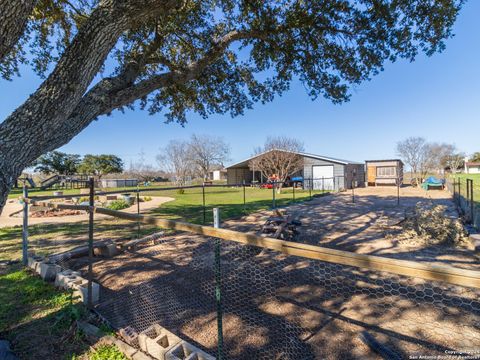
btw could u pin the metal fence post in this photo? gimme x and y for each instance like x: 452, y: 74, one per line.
x: 25, y: 227
x: 310, y: 188
x: 470, y: 199
x: 273, y: 194
x: 203, y: 202
x: 90, y: 241
x: 353, y: 192
x: 244, y: 199
x: 293, y: 188
x: 138, y: 212
x: 398, y: 191
x: 218, y: 285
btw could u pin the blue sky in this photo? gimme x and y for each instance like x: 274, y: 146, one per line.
x: 435, y: 97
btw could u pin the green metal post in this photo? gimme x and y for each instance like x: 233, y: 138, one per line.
x: 204, y: 210
x: 273, y: 194
x: 244, y: 199
x: 138, y: 212
x: 218, y: 285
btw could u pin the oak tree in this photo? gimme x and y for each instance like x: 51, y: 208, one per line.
x: 57, y: 162
x: 100, y: 165
x: 203, y: 56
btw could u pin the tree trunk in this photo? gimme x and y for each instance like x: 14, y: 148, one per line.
x: 13, y: 20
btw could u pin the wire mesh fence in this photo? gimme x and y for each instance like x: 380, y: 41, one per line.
x: 466, y: 194
x: 272, y: 305
x: 277, y: 306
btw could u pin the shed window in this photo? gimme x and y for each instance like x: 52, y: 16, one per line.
x: 386, y: 171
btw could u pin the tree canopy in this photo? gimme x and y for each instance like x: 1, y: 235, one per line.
x: 100, y: 165
x: 58, y: 162
x: 182, y: 56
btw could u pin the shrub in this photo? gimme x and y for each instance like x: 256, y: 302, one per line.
x: 107, y: 352
x: 180, y: 191
x: 118, y: 205
x: 146, y: 198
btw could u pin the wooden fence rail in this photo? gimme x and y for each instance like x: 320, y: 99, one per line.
x: 444, y: 273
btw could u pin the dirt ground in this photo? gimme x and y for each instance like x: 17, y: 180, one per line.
x: 335, y: 221
x: 284, y: 307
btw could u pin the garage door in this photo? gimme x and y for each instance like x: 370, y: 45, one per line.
x: 323, y: 177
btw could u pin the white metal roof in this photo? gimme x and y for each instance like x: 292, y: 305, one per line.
x: 313, y: 156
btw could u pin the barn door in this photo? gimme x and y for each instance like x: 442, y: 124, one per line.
x: 323, y: 177
x: 371, y: 175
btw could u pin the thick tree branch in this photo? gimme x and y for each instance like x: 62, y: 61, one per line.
x: 13, y: 20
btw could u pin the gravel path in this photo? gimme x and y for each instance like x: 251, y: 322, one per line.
x: 12, y: 207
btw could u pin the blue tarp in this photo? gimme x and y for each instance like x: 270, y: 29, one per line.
x: 433, y: 182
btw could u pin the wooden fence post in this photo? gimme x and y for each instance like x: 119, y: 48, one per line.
x: 90, y: 241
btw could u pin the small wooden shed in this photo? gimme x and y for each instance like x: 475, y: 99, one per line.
x: 384, y: 172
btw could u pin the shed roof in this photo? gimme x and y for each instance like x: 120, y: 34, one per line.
x: 384, y: 160
x: 244, y: 163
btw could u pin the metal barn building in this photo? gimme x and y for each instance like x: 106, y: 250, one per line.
x: 319, y: 172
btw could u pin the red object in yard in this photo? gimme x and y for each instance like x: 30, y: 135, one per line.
x: 267, y: 186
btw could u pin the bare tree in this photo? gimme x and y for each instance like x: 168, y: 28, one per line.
x: 175, y: 158
x: 142, y: 171
x: 424, y: 157
x: 207, y: 152
x: 451, y: 158
x: 278, y: 159
x: 417, y: 154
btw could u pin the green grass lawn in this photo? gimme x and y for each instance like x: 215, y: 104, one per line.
x: 476, y: 185
x: 39, y: 320
x: 45, y: 239
x: 189, y: 206
x: 35, y: 317
x: 53, y: 238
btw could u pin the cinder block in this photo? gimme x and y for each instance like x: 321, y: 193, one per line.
x: 63, y: 277
x: 49, y: 270
x: 109, y: 250
x: 475, y: 240
x: 157, y: 341
x: 32, y: 258
x: 80, y: 289
x: 33, y: 261
x: 129, y: 335
x: 186, y: 351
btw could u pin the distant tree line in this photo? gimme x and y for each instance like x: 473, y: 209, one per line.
x: 424, y: 157
x: 193, y: 158
x: 61, y: 163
